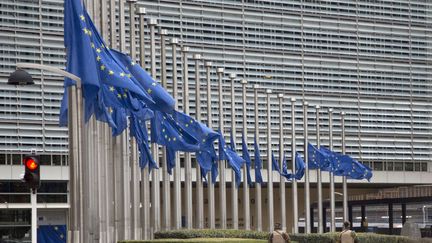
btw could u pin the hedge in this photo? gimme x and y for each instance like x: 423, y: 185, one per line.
x: 207, y: 233
x: 228, y: 236
x: 198, y: 240
x: 362, y: 237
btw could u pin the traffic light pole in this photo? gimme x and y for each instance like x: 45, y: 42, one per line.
x: 33, y: 200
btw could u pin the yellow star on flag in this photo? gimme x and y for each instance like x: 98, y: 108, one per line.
x: 110, y: 72
x: 122, y: 74
x: 133, y: 63
x: 125, y: 95
x: 119, y: 96
x: 129, y: 75
x: 98, y: 50
x: 92, y: 45
x: 111, y: 88
x: 82, y: 17
x: 149, y: 91
x: 174, y: 138
x: 98, y: 58
x: 102, y: 67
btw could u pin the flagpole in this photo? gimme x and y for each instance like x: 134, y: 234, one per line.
x: 307, y: 192
x: 199, y: 183
x: 210, y: 185
x: 293, y: 156
x: 104, y: 171
x: 188, y: 162
x: 141, y: 12
x: 166, y: 206
x: 281, y: 157
x: 145, y: 183
x: 155, y: 212
x: 332, y: 188
x: 124, y: 143
x: 112, y: 226
x: 246, y: 200
x: 234, y: 190
x: 344, y: 178
x: 258, y: 195
x: 135, y: 215
x: 319, y: 179
x: 177, y: 167
x: 222, y: 175
x: 269, y: 164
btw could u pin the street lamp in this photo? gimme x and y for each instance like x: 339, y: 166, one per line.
x: 75, y: 125
x: 20, y: 77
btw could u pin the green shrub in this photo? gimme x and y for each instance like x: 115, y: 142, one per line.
x: 198, y: 240
x: 207, y: 233
x: 362, y: 237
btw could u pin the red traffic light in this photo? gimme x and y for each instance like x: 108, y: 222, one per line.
x: 31, y: 163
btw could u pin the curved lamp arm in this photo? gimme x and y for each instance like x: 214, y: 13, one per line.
x: 51, y: 69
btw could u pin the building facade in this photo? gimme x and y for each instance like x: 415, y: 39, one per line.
x: 369, y: 59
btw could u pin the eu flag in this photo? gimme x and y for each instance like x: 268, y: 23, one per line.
x: 275, y: 165
x: 138, y: 130
x: 300, y: 167
x: 179, y: 132
x: 235, y: 161
x: 316, y: 158
x: 257, y: 162
x: 284, y: 171
x: 106, y: 83
x: 246, y: 157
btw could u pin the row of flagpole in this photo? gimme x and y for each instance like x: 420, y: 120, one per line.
x: 124, y: 213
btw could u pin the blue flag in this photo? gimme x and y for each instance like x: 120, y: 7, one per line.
x: 235, y: 161
x: 246, y: 157
x: 232, y: 143
x: 344, y: 165
x: 257, y: 162
x: 275, y: 165
x: 107, y: 85
x: 300, y: 167
x: 284, y: 172
x: 316, y: 158
x: 214, y: 171
x: 138, y: 130
x: 180, y: 132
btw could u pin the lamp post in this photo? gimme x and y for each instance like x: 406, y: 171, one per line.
x: 75, y: 125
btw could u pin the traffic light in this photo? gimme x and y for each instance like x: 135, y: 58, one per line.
x: 32, y: 171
